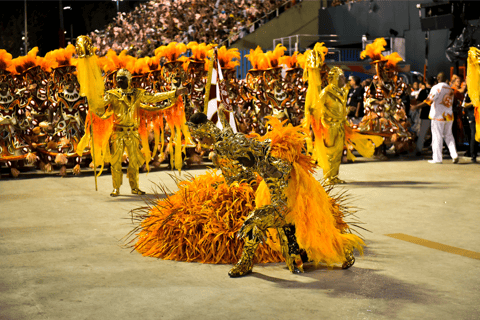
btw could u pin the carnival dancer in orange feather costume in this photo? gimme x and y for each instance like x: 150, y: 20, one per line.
x: 291, y: 212
x: 384, y: 111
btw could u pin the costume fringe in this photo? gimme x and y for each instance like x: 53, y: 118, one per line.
x: 365, y: 144
x: 176, y: 121
x: 198, y: 223
x: 102, y: 129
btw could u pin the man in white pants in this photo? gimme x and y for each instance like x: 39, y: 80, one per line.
x: 440, y: 100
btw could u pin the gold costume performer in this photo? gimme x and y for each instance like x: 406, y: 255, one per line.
x: 123, y: 106
x: 290, y: 210
x: 473, y: 85
x: 326, y: 114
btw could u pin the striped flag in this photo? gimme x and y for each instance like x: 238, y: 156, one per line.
x: 219, y: 94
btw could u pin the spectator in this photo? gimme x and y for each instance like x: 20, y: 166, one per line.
x: 440, y: 100
x: 424, y: 111
x: 160, y: 22
x: 355, y: 98
x: 470, y: 113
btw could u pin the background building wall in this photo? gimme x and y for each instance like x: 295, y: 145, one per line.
x: 351, y: 21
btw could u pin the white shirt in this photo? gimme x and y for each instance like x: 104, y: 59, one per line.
x: 441, y: 102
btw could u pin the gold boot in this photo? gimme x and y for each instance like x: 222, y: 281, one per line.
x: 290, y: 249
x: 349, y: 259
x: 138, y: 191
x: 115, y: 193
x: 245, y: 265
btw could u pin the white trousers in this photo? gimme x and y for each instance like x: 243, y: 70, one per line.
x: 424, y: 125
x: 442, y: 130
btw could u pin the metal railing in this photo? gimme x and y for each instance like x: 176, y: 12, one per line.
x: 301, y: 42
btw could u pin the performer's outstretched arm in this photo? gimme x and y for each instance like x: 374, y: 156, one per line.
x: 150, y: 98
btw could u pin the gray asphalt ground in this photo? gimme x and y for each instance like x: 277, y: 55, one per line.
x: 62, y: 255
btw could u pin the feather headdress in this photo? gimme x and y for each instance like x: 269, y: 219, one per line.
x: 6, y: 62
x: 289, y: 61
x: 112, y: 62
x: 258, y: 59
x: 228, y: 57
x: 171, y: 52
x: 199, y: 51
x: 141, y: 66
x: 62, y: 57
x: 392, y: 60
x: 275, y: 55
x: 374, y: 50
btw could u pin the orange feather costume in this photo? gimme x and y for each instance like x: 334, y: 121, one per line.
x: 199, y: 222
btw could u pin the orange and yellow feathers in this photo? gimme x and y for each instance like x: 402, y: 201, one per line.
x: 374, y: 51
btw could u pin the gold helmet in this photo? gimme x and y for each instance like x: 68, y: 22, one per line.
x: 334, y: 75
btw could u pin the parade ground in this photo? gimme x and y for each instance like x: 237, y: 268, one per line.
x: 63, y: 254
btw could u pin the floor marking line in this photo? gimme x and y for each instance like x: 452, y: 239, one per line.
x: 436, y: 245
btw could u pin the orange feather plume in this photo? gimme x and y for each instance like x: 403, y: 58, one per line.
x: 141, y: 66
x: 228, y: 57
x: 199, y: 51
x: 153, y: 63
x: 301, y: 60
x: 258, y: 59
x: 392, y: 60
x: 172, y: 51
x: 62, y: 56
x: 274, y: 56
x: 6, y: 61
x: 290, y: 61
x: 374, y: 50
x: 112, y: 62
x: 26, y: 62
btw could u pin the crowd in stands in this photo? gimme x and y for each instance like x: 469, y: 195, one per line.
x: 160, y: 22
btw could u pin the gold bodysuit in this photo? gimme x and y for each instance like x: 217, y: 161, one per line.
x: 333, y: 114
x: 124, y: 106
